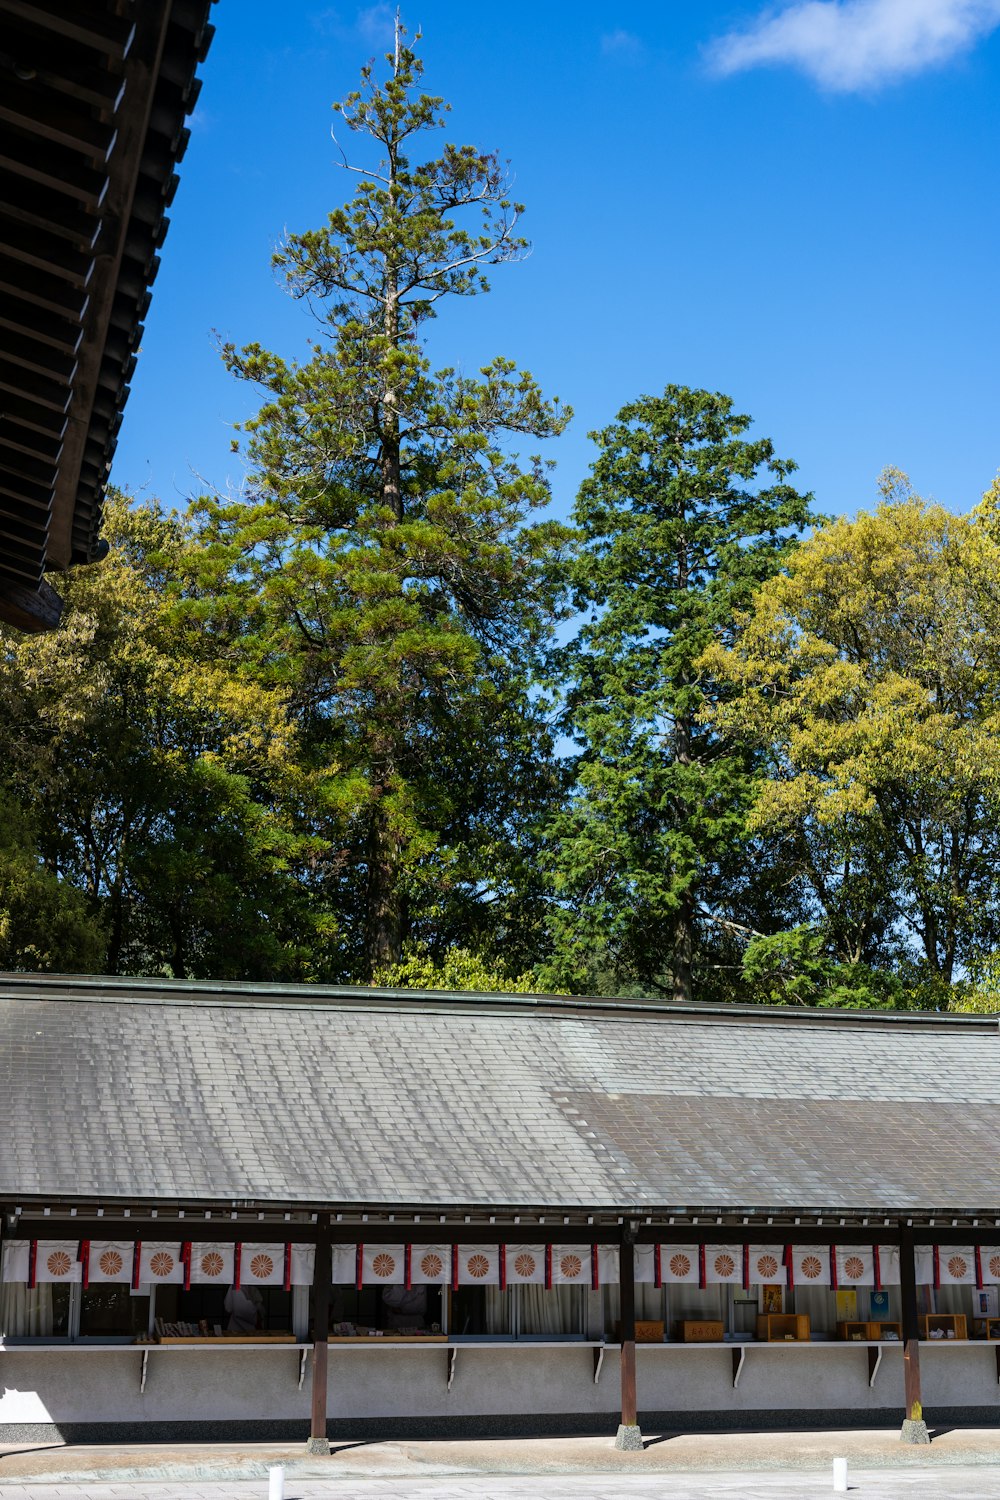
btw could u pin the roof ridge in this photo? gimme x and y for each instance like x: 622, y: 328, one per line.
x: 118, y: 989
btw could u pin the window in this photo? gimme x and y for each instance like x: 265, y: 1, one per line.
x: 109, y: 1310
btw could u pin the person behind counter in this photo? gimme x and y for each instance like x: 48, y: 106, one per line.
x: 245, y: 1307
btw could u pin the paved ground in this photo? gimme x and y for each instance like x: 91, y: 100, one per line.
x: 955, y: 1483
x: 960, y: 1464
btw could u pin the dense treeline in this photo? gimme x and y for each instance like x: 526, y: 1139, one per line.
x: 379, y: 717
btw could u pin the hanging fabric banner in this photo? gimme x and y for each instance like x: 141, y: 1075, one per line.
x: 989, y: 1255
x: 110, y: 1260
x: 855, y: 1265
x: 57, y: 1261
x: 958, y: 1265
x: 303, y: 1264
x: 160, y: 1263
x: 342, y: 1263
x: 525, y: 1265
x: 383, y: 1265
x: 765, y: 1265
x: 478, y: 1265
x: 430, y: 1265
x: 212, y: 1264
x: 15, y: 1260
x: 609, y: 1265
x: 810, y: 1265
x: 262, y: 1265
x: 923, y: 1261
x: 723, y: 1264
x: 571, y: 1265
x: 888, y: 1262
x: 679, y: 1265
x: 645, y: 1264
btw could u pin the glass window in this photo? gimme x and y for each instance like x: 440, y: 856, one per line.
x: 111, y: 1311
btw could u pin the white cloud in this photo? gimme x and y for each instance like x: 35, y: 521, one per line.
x: 857, y: 44
x: 620, y: 43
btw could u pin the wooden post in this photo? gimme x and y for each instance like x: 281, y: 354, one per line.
x: 914, y: 1427
x: 629, y: 1435
x: 322, y: 1276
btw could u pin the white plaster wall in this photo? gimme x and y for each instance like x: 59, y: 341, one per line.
x: 197, y: 1385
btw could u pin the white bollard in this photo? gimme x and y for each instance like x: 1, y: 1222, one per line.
x: 840, y: 1475
x: 276, y: 1482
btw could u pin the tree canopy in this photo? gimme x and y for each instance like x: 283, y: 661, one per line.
x: 379, y: 570
x: 869, y: 673
x: 682, y: 517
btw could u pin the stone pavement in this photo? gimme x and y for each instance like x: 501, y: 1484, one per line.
x: 960, y: 1463
x: 924, y: 1483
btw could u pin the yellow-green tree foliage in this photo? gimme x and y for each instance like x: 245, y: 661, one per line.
x: 871, y: 670
x: 457, y: 969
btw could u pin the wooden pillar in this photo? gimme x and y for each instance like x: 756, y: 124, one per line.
x: 629, y: 1435
x: 914, y: 1426
x: 322, y: 1277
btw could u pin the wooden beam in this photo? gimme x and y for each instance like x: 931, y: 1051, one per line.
x: 31, y: 610
x: 322, y: 1278
x: 629, y: 1437
x: 914, y: 1427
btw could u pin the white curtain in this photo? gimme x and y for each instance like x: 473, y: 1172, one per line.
x: 25, y: 1312
x: 497, y: 1310
x: 557, y: 1311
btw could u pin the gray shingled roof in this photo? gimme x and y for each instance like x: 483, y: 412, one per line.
x: 123, y: 1090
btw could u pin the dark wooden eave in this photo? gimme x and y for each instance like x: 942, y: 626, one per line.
x: 93, y: 97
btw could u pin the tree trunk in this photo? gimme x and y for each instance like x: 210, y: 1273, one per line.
x: 383, y: 905
x: 684, y: 949
x: 683, y: 957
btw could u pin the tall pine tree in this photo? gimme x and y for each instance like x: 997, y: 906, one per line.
x: 379, y: 566
x: 681, y: 518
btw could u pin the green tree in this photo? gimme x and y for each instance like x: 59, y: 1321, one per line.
x: 379, y: 569
x: 45, y: 924
x: 870, y: 673
x: 154, y: 780
x: 458, y: 970
x: 682, y: 517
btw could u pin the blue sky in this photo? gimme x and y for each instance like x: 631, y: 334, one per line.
x: 799, y: 206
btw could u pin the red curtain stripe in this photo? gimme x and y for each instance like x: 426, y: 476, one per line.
x: 83, y: 1256
x: 454, y: 1268
x: 979, y: 1269
x: 136, y: 1264
x: 746, y: 1268
x: 657, y: 1267
x: 937, y: 1268
x: 32, y: 1264
x: 186, y: 1263
x: 702, y: 1282
x: 548, y: 1268
x: 877, y: 1267
x: 834, y: 1283
x: 359, y: 1266
x: 237, y: 1258
x: 789, y: 1259
x: 408, y: 1266
x: 595, y: 1270
x: 287, y: 1278
x: 503, y: 1267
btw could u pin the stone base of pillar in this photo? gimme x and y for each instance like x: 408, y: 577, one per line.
x: 318, y: 1446
x: 629, y: 1439
x: 914, y: 1432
